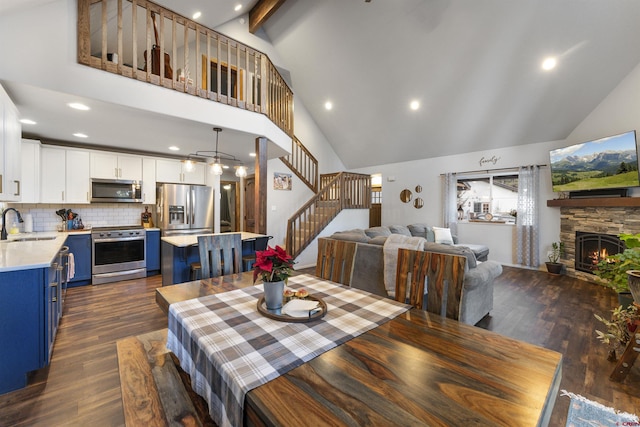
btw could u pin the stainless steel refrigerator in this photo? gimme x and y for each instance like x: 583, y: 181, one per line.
x: 184, y: 209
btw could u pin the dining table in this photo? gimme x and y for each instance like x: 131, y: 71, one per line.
x: 409, y: 367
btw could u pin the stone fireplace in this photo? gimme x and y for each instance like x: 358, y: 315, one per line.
x: 591, y: 248
x: 594, y: 216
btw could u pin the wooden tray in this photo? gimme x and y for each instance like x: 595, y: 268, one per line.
x: 275, y: 314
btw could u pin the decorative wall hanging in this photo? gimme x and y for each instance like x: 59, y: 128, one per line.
x: 281, y: 181
x: 405, y: 195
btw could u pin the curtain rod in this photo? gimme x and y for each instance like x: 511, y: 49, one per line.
x: 513, y: 169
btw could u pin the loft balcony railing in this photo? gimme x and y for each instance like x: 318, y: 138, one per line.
x: 144, y: 41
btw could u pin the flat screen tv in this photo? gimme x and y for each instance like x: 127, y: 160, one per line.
x: 605, y: 163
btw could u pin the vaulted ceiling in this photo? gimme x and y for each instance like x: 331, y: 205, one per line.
x: 474, y: 67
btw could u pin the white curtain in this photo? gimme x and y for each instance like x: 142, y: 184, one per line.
x: 527, y: 240
x: 450, y: 202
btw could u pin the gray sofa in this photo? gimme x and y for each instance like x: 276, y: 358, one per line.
x: 368, y: 271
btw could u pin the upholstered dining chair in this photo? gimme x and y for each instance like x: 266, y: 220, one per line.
x: 220, y: 254
x: 335, y: 260
x: 443, y: 275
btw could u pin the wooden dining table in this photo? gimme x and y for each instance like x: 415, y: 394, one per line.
x: 416, y: 369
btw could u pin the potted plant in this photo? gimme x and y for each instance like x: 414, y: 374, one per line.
x: 612, y: 271
x: 554, y: 265
x: 274, y: 266
x: 619, y: 328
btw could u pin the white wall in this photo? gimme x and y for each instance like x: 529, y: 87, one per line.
x: 427, y: 172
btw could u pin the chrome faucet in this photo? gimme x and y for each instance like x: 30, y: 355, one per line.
x: 3, y: 233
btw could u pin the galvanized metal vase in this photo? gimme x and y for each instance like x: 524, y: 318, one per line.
x: 273, y: 293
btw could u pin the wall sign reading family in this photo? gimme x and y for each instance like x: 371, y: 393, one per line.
x: 281, y: 181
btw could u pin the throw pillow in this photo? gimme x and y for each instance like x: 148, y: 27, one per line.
x: 443, y: 235
x: 356, y: 235
x: 418, y: 230
x: 400, y: 229
x: 377, y: 231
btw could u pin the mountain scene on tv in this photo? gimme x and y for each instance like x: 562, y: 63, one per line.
x: 605, y: 163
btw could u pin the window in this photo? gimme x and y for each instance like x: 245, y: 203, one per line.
x: 480, y: 195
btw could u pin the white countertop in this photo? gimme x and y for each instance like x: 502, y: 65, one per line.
x: 35, y: 253
x: 192, y: 239
x: 30, y: 254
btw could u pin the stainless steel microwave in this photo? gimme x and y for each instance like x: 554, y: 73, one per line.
x: 115, y: 191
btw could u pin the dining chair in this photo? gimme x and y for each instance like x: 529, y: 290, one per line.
x: 249, y: 248
x: 220, y: 254
x: 443, y: 275
x: 335, y: 260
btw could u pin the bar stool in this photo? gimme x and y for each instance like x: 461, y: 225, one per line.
x: 196, y: 271
x: 259, y: 244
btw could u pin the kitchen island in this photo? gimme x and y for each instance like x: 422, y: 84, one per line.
x: 178, y: 252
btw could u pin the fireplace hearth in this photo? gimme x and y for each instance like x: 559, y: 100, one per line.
x: 591, y: 248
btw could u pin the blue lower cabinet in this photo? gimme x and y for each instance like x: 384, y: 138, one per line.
x: 152, y: 254
x: 80, y: 247
x: 26, y: 329
x: 176, y: 263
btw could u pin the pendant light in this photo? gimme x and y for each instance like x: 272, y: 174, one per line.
x: 216, y: 166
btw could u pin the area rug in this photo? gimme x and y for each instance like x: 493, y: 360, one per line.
x: 586, y: 413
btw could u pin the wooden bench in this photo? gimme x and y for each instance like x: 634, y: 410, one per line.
x: 153, y: 388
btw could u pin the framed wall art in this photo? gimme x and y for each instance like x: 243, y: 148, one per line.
x: 282, y: 181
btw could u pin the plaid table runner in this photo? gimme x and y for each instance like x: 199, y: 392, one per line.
x: 228, y: 348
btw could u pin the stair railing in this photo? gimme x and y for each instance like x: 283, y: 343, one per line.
x: 344, y: 190
x: 141, y: 40
x: 303, y: 164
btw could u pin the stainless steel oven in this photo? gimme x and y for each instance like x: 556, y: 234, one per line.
x: 118, y: 254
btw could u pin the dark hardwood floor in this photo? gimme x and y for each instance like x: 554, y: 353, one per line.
x: 82, y: 386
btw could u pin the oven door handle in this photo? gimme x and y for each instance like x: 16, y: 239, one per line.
x: 118, y: 239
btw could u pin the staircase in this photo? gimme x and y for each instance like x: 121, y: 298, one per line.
x: 343, y: 190
x: 303, y: 164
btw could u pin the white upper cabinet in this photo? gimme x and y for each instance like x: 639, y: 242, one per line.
x: 175, y: 171
x: 106, y: 165
x: 64, y: 175
x: 30, y: 150
x: 10, y: 141
x: 148, y: 181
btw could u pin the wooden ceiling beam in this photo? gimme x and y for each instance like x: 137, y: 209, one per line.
x: 262, y: 11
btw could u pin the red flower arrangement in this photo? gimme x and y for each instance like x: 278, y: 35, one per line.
x: 273, y: 265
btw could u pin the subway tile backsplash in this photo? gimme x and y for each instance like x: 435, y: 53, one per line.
x: 94, y: 215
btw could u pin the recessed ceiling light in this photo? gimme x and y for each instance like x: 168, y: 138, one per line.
x: 238, y: 7
x: 27, y: 122
x: 252, y: 154
x: 414, y: 105
x: 197, y: 15
x: 549, y: 63
x: 80, y: 135
x: 174, y: 148
x: 78, y: 106
x: 328, y: 105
